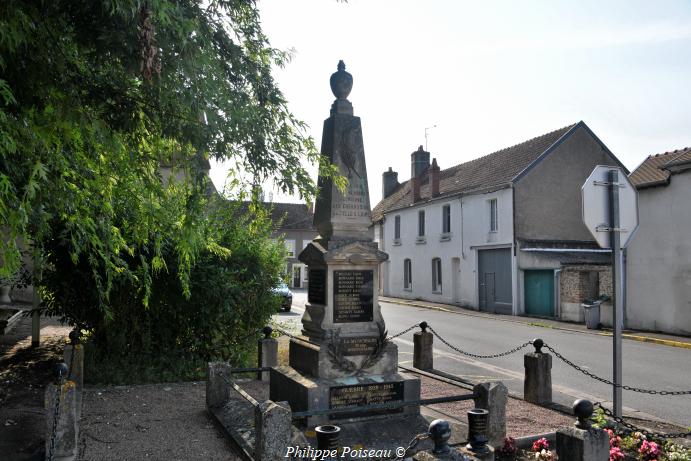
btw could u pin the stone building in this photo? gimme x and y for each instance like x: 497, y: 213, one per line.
x: 658, y: 259
x: 298, y: 231
x: 502, y: 233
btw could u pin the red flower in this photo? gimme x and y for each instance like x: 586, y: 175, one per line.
x: 540, y: 444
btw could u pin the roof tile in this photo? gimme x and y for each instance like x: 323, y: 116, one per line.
x: 491, y: 171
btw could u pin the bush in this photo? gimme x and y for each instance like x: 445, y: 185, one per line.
x: 169, y: 334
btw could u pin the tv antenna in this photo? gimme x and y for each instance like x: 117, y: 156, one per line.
x: 427, y: 134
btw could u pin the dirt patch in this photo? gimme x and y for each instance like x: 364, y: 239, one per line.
x: 24, y: 372
x: 156, y: 422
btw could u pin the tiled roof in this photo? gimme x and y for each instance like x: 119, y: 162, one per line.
x: 653, y: 172
x: 290, y: 215
x: 294, y: 215
x: 491, y: 171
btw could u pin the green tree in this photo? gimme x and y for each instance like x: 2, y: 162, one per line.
x: 94, y: 95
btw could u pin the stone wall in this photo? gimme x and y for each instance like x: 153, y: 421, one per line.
x: 578, y: 283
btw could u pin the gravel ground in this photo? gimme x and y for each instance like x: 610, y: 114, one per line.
x: 522, y: 418
x: 164, y: 422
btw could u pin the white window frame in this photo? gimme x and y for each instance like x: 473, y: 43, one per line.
x: 437, y: 275
x: 493, y: 215
x: 290, y: 247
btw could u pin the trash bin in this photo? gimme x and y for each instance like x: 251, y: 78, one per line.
x: 592, y: 314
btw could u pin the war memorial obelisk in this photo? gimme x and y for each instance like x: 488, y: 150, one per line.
x: 343, y: 358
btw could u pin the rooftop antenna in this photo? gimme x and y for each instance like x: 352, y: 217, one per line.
x: 426, y: 134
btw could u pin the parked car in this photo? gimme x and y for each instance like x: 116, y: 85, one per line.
x: 286, y: 295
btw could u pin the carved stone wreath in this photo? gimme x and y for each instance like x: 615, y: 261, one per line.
x: 340, y: 362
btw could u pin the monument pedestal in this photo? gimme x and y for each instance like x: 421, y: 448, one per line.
x: 343, y: 359
x: 306, y: 393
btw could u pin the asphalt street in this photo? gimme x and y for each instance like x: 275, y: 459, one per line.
x: 645, y: 365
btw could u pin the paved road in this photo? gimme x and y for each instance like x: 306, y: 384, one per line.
x: 645, y: 365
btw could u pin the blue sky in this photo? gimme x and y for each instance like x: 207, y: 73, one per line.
x: 489, y: 74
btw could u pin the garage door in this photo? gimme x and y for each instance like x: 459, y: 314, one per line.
x: 539, y: 292
x: 494, y: 280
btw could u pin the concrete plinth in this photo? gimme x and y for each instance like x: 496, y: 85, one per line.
x: 493, y: 397
x: 308, y: 394
x: 66, y: 428
x: 537, y: 386
x: 74, y: 358
x: 268, y: 356
x: 217, y: 389
x: 574, y: 444
x: 273, y: 430
x: 423, y: 343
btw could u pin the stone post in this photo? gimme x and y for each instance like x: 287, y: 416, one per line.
x: 582, y: 442
x: 74, y: 359
x: 62, y: 428
x: 268, y: 353
x: 273, y: 430
x: 217, y: 389
x: 537, y: 386
x: 423, y: 341
x: 493, y: 397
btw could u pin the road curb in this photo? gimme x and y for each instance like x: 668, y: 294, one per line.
x: 633, y: 337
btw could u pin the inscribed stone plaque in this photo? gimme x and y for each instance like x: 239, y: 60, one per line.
x: 365, y: 394
x: 353, y: 296
x: 360, y: 345
x: 316, y: 291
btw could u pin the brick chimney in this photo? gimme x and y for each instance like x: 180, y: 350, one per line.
x: 419, y: 162
x: 415, y: 184
x: 389, y: 182
x: 434, y: 178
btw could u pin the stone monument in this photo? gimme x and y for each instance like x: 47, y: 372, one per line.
x: 343, y: 359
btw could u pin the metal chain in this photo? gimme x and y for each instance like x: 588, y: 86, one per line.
x: 413, y: 443
x: 477, y: 356
x: 56, y: 417
x: 610, y: 383
x: 653, y: 435
x: 403, y: 332
x: 285, y: 333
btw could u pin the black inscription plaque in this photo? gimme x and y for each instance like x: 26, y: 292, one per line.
x: 353, y: 296
x: 316, y: 291
x: 359, y: 345
x: 365, y: 394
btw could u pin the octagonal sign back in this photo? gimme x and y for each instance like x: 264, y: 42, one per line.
x: 596, y: 209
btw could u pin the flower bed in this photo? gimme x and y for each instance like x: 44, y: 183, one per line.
x: 633, y: 446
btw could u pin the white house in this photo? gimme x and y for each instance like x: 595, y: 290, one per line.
x: 501, y: 233
x: 658, y: 259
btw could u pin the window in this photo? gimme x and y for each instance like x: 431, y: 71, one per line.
x: 397, y: 227
x: 290, y: 247
x: 407, y: 274
x: 446, y: 219
x: 493, y: 222
x: 436, y: 275
x: 421, y: 223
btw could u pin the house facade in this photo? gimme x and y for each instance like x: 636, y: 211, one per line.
x: 658, y: 258
x: 297, y: 230
x: 501, y: 233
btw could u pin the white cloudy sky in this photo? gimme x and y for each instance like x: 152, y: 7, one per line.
x: 489, y: 74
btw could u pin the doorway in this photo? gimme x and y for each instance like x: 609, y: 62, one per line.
x: 539, y: 292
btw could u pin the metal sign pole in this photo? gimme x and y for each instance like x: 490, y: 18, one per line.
x: 617, y: 273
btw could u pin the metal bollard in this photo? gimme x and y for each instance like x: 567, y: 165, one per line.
x: 328, y: 436
x: 477, y: 430
x: 440, y: 432
x: 583, y: 409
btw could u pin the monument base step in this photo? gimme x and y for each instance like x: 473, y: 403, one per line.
x: 305, y: 393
